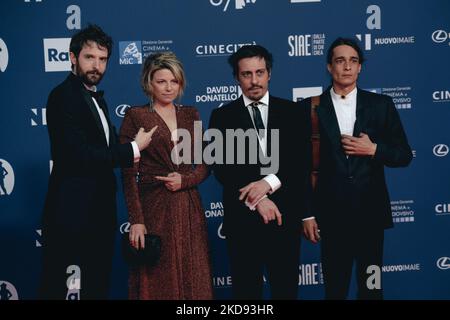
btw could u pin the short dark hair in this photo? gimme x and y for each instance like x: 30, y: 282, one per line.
x: 91, y: 33
x: 347, y: 42
x: 250, y: 51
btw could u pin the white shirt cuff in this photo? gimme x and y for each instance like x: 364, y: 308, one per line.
x: 309, y: 218
x: 136, y: 152
x: 273, y: 181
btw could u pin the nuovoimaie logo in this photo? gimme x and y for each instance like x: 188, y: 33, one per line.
x: 4, y: 57
x: 6, y: 178
x: 130, y: 52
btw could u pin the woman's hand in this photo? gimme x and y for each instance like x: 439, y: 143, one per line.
x: 137, y: 235
x: 172, y: 181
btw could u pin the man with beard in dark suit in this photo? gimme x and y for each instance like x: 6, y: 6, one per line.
x: 263, y: 208
x: 79, y: 217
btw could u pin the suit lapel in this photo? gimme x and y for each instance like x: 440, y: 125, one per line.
x: 361, y: 113
x: 243, y: 118
x: 329, y: 122
x: 362, y: 116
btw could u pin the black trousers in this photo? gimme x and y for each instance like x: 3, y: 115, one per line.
x: 340, y: 250
x: 91, y: 254
x: 83, y: 237
x: 272, y: 247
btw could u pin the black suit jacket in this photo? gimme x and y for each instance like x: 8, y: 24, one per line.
x: 82, y: 184
x: 351, y: 192
x: 294, y: 161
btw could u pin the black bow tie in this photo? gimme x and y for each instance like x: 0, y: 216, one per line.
x: 96, y: 94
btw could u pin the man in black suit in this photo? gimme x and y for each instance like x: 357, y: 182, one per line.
x: 360, y: 134
x: 79, y: 217
x: 263, y: 208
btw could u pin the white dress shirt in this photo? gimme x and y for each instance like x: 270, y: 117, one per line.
x: 263, y: 107
x: 136, y: 152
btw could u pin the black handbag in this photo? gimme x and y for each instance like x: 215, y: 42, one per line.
x: 149, y: 256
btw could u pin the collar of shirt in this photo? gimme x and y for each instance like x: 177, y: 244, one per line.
x: 264, y: 100
x: 350, y: 98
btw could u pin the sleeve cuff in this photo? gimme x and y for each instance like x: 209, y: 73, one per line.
x: 273, y: 181
x: 136, y: 152
x: 309, y: 218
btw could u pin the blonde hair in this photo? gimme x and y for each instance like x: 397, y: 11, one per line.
x: 163, y: 60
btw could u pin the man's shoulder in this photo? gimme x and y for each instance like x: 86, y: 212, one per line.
x: 229, y: 107
x: 282, y: 102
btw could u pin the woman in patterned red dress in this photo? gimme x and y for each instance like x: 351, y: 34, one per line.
x: 161, y: 196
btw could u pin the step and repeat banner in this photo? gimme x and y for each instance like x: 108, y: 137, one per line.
x: 407, y: 45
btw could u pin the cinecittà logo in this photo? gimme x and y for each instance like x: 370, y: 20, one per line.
x: 219, y: 50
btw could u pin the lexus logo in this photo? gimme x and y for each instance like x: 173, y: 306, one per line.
x: 443, y: 263
x: 440, y: 150
x: 219, y: 232
x: 124, y: 227
x: 122, y: 109
x: 439, y: 36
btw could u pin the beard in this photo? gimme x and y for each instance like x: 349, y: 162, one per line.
x: 90, y: 78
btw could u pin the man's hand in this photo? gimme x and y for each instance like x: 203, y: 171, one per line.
x: 268, y: 210
x: 143, y: 138
x: 172, y: 181
x: 358, y: 146
x: 254, y: 191
x: 137, y: 235
x: 311, y: 230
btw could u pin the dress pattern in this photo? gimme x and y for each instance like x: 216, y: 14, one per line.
x: 184, y: 270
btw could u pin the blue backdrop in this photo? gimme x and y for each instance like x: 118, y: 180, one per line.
x: 407, y: 44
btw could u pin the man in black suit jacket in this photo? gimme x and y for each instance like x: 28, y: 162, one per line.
x: 360, y: 134
x: 263, y: 208
x: 79, y: 217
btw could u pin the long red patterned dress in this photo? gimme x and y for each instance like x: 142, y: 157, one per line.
x: 183, y: 271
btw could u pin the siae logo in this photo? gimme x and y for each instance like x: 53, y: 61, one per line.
x: 4, y: 57
x: 440, y: 150
x: 56, y: 54
x: 6, y: 178
x: 238, y: 4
